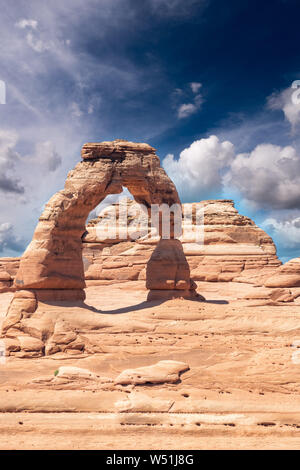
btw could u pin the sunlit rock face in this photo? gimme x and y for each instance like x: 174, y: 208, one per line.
x: 219, y: 244
x: 8, y: 271
x: 287, y: 275
x: 53, y: 260
x: 52, y: 267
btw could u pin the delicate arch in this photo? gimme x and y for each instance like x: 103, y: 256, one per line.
x: 53, y: 259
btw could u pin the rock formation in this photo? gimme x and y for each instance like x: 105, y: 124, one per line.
x: 217, y: 244
x: 287, y: 275
x: 163, y: 371
x: 137, y: 402
x: 8, y: 271
x: 53, y: 260
x: 6, y: 281
x: 168, y: 272
x: 68, y: 377
x: 233, y: 248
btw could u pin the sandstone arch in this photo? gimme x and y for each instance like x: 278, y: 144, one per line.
x: 53, y: 259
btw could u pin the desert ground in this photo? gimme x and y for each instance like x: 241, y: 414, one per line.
x: 241, y: 389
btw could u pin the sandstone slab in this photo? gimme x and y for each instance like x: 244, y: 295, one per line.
x: 163, y: 371
x: 287, y: 275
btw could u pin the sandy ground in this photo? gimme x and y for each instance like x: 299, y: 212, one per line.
x: 241, y: 392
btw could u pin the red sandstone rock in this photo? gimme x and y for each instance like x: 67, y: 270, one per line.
x: 233, y: 248
x: 163, y: 272
x: 53, y: 260
x: 10, y: 265
x: 22, y: 305
x: 137, y: 402
x: 287, y: 275
x: 6, y: 280
x: 163, y: 371
x: 4, y: 276
x: 52, y: 265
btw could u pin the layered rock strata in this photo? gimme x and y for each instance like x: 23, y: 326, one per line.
x: 218, y: 243
x: 233, y: 247
x: 8, y: 271
x: 287, y: 275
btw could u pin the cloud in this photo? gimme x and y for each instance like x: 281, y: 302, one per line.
x: 44, y: 157
x: 284, y: 228
x: 22, y: 24
x: 8, y: 239
x: 287, y: 101
x: 187, y: 109
x: 198, y: 171
x: 287, y: 231
x: 195, y: 86
x: 37, y: 44
x: 32, y: 37
x: 269, y: 176
x: 75, y: 110
x: 9, y: 183
x: 47, y: 156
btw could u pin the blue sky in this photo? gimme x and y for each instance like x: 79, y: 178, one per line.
x: 206, y: 82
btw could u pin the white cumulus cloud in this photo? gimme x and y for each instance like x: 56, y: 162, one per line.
x: 198, y: 171
x: 285, y: 230
x: 269, y: 176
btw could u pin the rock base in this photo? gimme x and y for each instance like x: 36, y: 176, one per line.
x: 173, y: 294
x: 25, y: 335
x: 59, y: 295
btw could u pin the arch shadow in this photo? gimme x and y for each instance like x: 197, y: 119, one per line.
x: 130, y: 308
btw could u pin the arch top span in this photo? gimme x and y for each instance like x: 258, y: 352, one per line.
x: 117, y: 149
x: 53, y: 259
